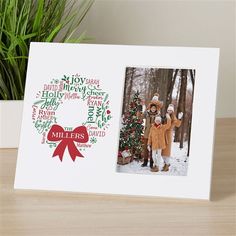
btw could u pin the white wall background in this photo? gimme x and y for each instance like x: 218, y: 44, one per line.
x: 172, y: 23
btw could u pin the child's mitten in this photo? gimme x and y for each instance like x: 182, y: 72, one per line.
x: 180, y: 115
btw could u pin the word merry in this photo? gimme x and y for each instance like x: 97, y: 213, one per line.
x: 73, y: 88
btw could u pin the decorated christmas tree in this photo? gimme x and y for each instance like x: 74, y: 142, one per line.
x: 132, y: 130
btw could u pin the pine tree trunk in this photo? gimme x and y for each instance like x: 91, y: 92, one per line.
x: 179, y: 132
x: 146, y: 86
x: 192, y: 76
x: 125, y: 88
x: 170, y: 89
x: 154, y: 82
x: 169, y: 84
x: 189, y: 135
x: 130, y: 87
x: 163, y: 84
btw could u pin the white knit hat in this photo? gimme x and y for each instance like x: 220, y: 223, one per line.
x: 158, y: 118
x: 170, y: 107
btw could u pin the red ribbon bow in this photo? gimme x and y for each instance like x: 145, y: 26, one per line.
x: 67, y: 139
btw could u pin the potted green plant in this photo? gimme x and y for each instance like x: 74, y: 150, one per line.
x: 22, y: 22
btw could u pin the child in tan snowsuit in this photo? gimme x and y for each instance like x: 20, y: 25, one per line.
x: 156, y: 141
x: 149, y: 115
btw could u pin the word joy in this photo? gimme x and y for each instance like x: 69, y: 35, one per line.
x: 76, y: 79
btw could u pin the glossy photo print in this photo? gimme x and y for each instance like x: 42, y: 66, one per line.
x: 155, y: 130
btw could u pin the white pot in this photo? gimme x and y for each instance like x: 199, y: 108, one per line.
x: 10, y: 123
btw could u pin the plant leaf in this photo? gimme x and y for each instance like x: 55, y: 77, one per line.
x: 39, y: 16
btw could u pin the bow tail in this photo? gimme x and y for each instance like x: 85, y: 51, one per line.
x: 60, y: 149
x: 74, y: 152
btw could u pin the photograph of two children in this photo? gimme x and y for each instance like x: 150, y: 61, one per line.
x: 155, y: 126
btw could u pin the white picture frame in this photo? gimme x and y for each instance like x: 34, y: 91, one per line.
x: 96, y: 172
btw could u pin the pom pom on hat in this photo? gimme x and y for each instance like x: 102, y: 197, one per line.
x: 170, y: 107
x: 155, y: 97
x: 155, y: 101
x: 156, y: 94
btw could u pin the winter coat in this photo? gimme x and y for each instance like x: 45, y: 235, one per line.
x: 150, y: 118
x: 156, y: 137
x: 169, y: 136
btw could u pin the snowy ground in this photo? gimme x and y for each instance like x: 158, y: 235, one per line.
x: 179, y: 164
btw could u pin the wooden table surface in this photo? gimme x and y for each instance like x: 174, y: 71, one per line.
x: 56, y: 213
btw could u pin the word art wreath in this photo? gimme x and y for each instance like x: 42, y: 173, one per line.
x: 75, y: 139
